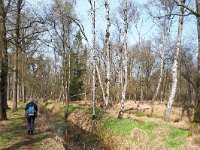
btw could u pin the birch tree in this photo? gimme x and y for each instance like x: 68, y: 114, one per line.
x: 163, y: 19
x: 107, y: 42
x: 197, y: 14
x: 124, y: 61
x: 93, y: 13
x: 175, y: 64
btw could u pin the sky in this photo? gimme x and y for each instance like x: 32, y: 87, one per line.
x: 148, y: 29
x: 82, y: 9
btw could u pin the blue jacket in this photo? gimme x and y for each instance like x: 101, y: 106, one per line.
x: 31, y: 104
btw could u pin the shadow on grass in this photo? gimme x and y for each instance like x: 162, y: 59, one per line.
x: 30, y: 142
x: 14, y: 135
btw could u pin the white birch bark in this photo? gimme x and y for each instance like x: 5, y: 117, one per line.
x: 124, y: 60
x: 93, y: 13
x: 107, y: 42
x: 175, y: 64
x: 100, y: 82
x: 164, y: 42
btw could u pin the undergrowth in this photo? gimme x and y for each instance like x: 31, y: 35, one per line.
x: 173, y: 138
x: 70, y: 109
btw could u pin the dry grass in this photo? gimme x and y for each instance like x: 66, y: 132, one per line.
x: 138, y: 138
x: 177, y: 118
x: 81, y: 119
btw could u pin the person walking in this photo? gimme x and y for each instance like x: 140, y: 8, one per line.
x: 31, y: 110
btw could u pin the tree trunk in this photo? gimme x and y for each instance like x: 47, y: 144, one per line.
x: 100, y: 82
x: 107, y: 42
x: 93, y: 13
x: 164, y: 42
x: 175, y: 64
x: 22, y: 79
x: 8, y: 88
x: 16, y: 58
x: 4, y: 63
x: 124, y: 61
x: 197, y: 110
x: 141, y: 85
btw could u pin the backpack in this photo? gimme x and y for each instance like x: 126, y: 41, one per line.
x: 31, y: 110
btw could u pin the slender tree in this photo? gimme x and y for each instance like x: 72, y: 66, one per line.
x: 107, y: 42
x: 93, y: 12
x: 124, y: 60
x: 175, y: 63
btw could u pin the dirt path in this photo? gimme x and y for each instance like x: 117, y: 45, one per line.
x: 51, y: 133
x: 13, y: 134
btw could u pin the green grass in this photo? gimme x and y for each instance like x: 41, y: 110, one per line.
x: 125, y: 126
x: 15, y: 124
x: 176, y: 132
x: 6, y: 138
x: 173, y: 138
x: 176, y: 137
x: 9, y: 136
x: 147, y: 127
x: 173, y: 143
x: 72, y: 108
x: 117, y: 126
x: 98, y: 112
x: 39, y: 136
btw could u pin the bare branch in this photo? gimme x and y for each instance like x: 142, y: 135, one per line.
x: 186, y: 7
x: 30, y: 25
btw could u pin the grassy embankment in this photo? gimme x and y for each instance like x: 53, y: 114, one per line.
x: 128, y: 133
x: 116, y: 133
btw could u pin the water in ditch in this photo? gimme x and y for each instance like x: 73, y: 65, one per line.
x: 72, y: 136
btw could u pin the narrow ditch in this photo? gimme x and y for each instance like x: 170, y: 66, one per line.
x: 72, y: 136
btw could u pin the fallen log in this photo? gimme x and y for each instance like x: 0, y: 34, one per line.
x: 135, y: 108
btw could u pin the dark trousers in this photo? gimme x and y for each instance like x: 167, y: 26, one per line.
x: 30, y: 123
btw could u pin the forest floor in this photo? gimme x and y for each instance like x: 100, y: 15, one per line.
x: 52, y: 132
x: 137, y: 129
x: 13, y: 133
x: 141, y: 129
